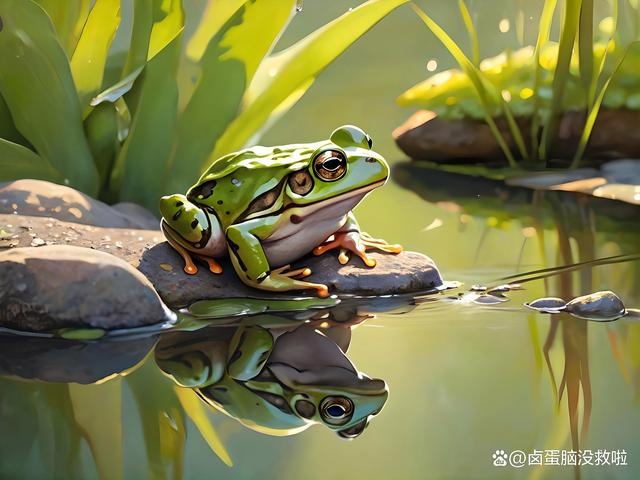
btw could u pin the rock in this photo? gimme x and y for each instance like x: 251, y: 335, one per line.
x: 125, y: 243
x: 146, y: 249
x: 407, y: 272
x: 426, y: 136
x: 599, y: 306
x: 45, y: 199
x: 58, y: 286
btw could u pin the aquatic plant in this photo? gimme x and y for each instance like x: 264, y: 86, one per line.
x: 140, y: 116
x: 540, y: 81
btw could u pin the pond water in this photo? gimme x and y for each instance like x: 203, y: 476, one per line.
x: 465, y: 381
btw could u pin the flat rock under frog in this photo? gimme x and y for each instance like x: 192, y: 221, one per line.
x: 266, y: 207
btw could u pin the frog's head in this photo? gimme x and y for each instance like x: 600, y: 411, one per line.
x: 344, y: 166
x: 185, y: 223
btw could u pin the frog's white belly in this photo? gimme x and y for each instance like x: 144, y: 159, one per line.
x: 303, y: 229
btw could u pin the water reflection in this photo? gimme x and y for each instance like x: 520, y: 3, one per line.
x: 276, y: 380
x: 275, y: 374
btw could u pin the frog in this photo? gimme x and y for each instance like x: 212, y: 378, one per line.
x: 276, y: 381
x: 266, y: 207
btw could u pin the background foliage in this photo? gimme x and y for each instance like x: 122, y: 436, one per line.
x: 135, y: 123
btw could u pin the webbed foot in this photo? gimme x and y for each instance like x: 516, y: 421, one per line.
x: 358, y: 243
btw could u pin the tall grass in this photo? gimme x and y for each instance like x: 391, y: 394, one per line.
x: 546, y: 105
x: 145, y: 120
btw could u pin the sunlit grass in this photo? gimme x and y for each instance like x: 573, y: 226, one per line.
x: 142, y: 120
x: 574, y: 73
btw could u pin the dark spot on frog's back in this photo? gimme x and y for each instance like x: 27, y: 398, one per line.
x: 1, y: 24
x: 202, y: 191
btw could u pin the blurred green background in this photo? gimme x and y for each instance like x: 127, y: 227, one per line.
x: 464, y: 380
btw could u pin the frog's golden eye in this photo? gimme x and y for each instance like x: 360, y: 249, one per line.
x: 336, y: 410
x: 330, y: 165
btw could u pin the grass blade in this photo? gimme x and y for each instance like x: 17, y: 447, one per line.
x: 471, y: 31
x: 295, y: 70
x: 68, y: 18
x: 36, y: 83
x: 228, y: 64
x: 474, y: 75
x: 150, y: 140
x: 561, y: 75
x: 544, y: 30
x: 594, y: 109
x: 90, y: 55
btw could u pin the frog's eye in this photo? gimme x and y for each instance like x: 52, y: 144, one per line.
x: 336, y: 410
x: 330, y: 165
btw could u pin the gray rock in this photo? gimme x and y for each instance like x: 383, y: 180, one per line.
x: 45, y: 199
x: 52, y: 287
x: 407, y: 272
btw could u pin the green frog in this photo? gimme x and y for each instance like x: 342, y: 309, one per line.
x: 266, y: 207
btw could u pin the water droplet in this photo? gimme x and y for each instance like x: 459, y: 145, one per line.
x: 504, y: 25
x: 299, y: 5
x: 432, y: 65
x: 506, y: 95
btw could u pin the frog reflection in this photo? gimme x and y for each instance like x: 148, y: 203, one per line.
x: 276, y: 381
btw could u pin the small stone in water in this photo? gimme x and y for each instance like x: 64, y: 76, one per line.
x: 37, y: 242
x: 478, y: 288
x: 599, y: 306
x: 167, y: 267
x: 547, y: 305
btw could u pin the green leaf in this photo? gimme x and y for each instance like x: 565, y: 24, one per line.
x: 36, y: 83
x: 192, y: 405
x: 17, y: 161
x: 156, y: 23
x: 68, y: 18
x: 138, y: 172
x: 8, y: 129
x: 215, y: 15
x: 102, y: 430
x: 168, y: 22
x: 295, y: 69
x: 228, y: 64
x: 90, y: 56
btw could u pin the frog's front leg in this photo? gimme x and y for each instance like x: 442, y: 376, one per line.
x: 250, y: 262
x: 350, y: 238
